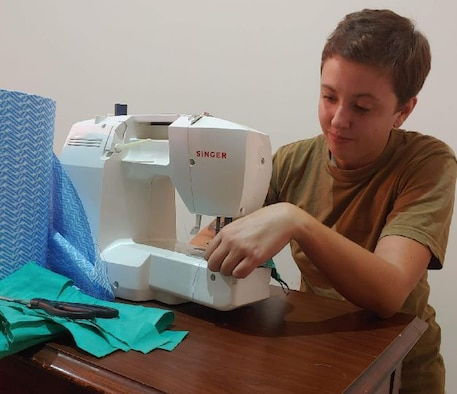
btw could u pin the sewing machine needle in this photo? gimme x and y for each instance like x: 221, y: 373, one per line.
x: 198, y: 223
x: 218, y: 224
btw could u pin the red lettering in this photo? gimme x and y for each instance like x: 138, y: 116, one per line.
x: 211, y: 154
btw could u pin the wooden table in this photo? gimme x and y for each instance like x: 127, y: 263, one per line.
x: 296, y: 343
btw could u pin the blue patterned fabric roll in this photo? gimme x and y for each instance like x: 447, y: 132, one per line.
x: 26, y: 138
x: 41, y: 216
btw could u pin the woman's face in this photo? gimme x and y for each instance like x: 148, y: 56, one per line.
x: 357, y: 110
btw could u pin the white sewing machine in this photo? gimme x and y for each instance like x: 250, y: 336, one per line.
x: 126, y: 168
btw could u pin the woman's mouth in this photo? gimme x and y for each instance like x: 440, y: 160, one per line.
x: 338, y: 139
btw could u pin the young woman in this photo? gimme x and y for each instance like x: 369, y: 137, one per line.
x: 365, y: 206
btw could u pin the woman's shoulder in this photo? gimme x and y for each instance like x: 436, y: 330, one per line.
x: 415, y: 152
x: 301, y: 147
x: 421, y: 143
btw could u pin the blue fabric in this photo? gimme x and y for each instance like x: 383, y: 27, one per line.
x: 71, y: 249
x: 41, y: 216
x: 26, y: 137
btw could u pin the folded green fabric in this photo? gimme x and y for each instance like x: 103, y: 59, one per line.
x: 137, y: 327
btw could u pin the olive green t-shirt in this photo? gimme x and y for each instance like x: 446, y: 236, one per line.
x: 408, y: 191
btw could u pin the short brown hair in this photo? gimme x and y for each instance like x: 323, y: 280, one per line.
x: 386, y: 40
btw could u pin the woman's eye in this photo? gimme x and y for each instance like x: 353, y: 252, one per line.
x: 362, y: 109
x: 332, y: 99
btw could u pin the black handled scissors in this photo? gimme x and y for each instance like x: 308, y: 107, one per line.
x: 72, y: 310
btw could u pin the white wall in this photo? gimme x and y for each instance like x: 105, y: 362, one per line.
x: 254, y: 62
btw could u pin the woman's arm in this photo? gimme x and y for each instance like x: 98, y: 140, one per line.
x: 378, y: 281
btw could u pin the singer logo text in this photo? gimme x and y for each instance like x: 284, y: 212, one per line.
x: 211, y: 154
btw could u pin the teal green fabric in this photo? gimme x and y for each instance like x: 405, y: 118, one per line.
x: 275, y: 274
x: 137, y: 328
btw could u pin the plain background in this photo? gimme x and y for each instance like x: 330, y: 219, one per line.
x: 252, y: 62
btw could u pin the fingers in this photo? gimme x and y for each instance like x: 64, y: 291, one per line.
x: 213, y: 257
x: 228, y: 262
x: 230, y: 266
x: 219, y: 257
x: 237, y: 249
x: 242, y: 269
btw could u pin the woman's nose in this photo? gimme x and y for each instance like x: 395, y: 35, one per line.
x: 341, y: 118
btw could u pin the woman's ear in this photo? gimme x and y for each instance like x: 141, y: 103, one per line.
x: 404, y: 112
